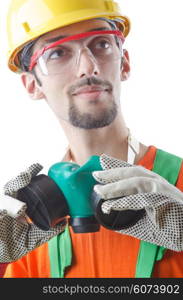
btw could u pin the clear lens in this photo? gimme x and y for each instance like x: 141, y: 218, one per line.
x: 103, y: 48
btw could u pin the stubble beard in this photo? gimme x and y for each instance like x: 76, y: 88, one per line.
x: 88, y: 120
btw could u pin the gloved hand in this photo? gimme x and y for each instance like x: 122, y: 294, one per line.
x: 17, y: 236
x: 126, y: 186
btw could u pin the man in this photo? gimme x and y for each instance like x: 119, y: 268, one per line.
x: 72, y: 55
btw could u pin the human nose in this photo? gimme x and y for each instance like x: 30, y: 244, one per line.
x: 86, y: 64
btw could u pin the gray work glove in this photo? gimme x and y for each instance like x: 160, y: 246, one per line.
x: 17, y: 236
x: 126, y: 186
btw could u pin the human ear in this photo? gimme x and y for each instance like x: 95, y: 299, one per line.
x: 33, y: 88
x: 125, y: 66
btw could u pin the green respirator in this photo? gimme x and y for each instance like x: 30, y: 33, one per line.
x: 68, y: 191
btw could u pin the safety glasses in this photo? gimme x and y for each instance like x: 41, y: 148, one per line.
x: 101, y: 47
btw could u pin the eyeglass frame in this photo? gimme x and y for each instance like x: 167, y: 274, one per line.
x: 40, y: 52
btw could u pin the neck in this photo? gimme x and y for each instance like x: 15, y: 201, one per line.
x: 111, y: 140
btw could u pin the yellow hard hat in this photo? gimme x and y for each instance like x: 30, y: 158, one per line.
x: 29, y: 19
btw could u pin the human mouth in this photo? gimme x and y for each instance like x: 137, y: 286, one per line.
x: 90, y: 92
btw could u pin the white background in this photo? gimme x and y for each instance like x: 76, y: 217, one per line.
x: 151, y: 99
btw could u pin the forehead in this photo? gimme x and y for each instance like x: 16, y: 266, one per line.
x: 72, y: 29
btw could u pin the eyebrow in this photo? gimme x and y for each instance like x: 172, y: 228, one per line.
x: 52, y: 40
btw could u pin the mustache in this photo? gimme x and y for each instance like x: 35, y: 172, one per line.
x: 90, y: 81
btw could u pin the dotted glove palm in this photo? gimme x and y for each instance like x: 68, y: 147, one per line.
x: 17, y: 236
x: 125, y: 187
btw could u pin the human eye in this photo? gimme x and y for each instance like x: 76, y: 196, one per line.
x: 103, y: 44
x: 57, y: 53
